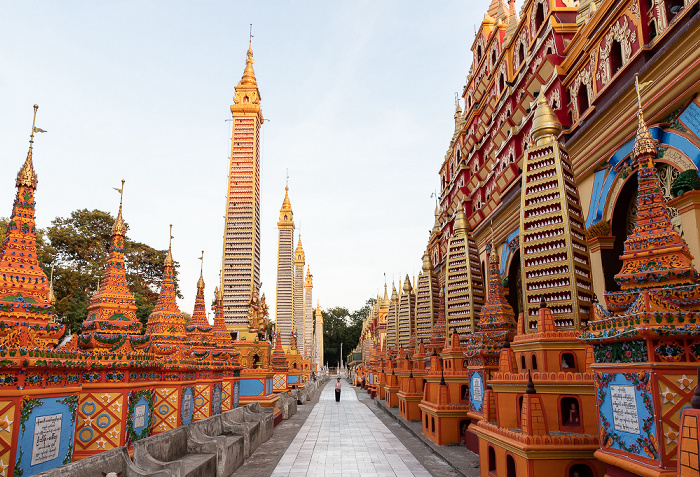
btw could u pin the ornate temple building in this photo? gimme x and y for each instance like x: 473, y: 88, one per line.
x: 308, y: 314
x: 579, y: 356
x: 241, y: 254
x: 284, y: 309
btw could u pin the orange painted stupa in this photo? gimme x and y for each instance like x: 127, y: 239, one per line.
x: 220, y: 335
x: 166, y: 324
x: 111, y: 323
x: 199, y: 331
x: 26, y: 298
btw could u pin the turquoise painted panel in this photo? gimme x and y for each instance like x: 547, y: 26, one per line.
x: 45, y: 441
x: 186, y: 405
x: 291, y: 379
x: 691, y: 118
x: 626, y: 413
x: 476, y: 390
x: 252, y: 387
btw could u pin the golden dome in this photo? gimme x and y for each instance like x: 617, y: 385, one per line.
x: 407, y: 285
x: 460, y: 221
x: 544, y: 122
x: 426, y: 262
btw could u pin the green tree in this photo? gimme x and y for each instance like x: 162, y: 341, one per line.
x: 341, y: 326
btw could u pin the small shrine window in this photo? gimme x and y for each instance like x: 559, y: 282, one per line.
x: 432, y: 422
x: 534, y: 362
x: 510, y: 466
x: 522, y: 363
x: 521, y: 54
x: 256, y: 361
x: 568, y: 362
x: 463, y: 426
x: 539, y: 16
x: 492, y: 459
x: 464, y: 393
x: 580, y: 470
x: 570, y: 412
x: 615, y: 57
x: 652, y: 29
x: 520, y: 410
x: 426, y: 422
x: 674, y: 7
x: 582, y: 99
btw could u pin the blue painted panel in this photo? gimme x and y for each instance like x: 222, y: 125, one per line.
x: 476, y: 390
x: 691, y: 118
x: 236, y: 394
x: 146, y: 417
x: 630, y: 426
x: 251, y: 387
x: 53, y: 419
x: 505, y: 251
x: 187, y: 405
x: 595, y: 211
x: 291, y: 379
x: 681, y: 143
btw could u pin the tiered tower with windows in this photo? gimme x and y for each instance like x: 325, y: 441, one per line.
x: 427, y: 300
x: 392, y: 317
x: 241, y: 254
x: 406, y: 317
x: 554, y: 259
x: 308, y: 313
x: 285, y: 271
x: 464, y: 292
x: 298, y: 298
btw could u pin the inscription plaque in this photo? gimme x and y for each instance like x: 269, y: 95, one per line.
x: 47, y: 438
x: 139, y: 416
x: 476, y: 387
x: 187, y: 406
x: 624, y: 407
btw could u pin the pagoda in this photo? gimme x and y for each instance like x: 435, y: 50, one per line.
x: 226, y: 353
x: 26, y: 306
x: 278, y: 360
x: 40, y: 382
x: 111, y: 324
x: 166, y: 324
x: 645, y: 344
x: 540, y: 400
x: 199, y: 331
x: 495, y: 331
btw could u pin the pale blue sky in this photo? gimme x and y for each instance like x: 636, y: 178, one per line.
x: 360, y: 97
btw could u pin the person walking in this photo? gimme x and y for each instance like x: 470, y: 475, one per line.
x: 337, y: 390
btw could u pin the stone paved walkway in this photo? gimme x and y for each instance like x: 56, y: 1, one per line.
x: 346, y: 439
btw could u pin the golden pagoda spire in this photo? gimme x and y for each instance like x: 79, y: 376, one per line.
x: 27, y: 176
x: 119, y: 228
x: 644, y: 144
x: 169, y: 256
x: 460, y: 221
x: 52, y: 296
x: 200, y: 282
x: 545, y: 125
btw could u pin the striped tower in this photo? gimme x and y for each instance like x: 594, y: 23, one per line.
x: 298, y: 298
x: 464, y: 293
x: 308, y: 314
x: 555, y: 260
x: 319, y: 336
x: 241, y: 254
x: 427, y: 300
x: 392, y: 330
x: 285, y: 270
x: 406, y: 321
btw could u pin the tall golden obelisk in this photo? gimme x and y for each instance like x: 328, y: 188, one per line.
x: 241, y: 255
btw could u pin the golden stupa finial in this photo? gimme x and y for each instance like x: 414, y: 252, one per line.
x: 286, y: 205
x: 119, y: 228
x: 545, y: 124
x: 52, y: 296
x: 644, y: 144
x: 492, y: 256
x: 169, y: 256
x: 200, y: 282
x: 248, y: 74
x: 27, y: 176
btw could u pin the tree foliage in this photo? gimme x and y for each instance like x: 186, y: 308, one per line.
x: 78, y: 247
x: 341, y: 326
